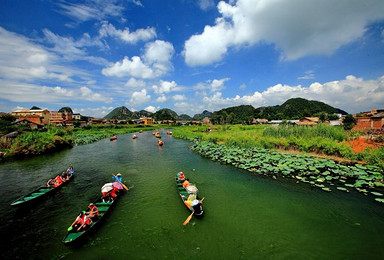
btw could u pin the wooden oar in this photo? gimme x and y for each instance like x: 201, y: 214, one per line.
x: 125, y: 187
x: 188, y: 219
x: 190, y: 216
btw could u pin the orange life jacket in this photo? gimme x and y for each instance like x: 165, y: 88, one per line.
x: 185, y: 183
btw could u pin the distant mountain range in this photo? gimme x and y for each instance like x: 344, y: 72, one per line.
x: 294, y: 108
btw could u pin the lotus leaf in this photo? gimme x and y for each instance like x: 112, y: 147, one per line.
x: 326, y: 189
x: 360, y: 183
x: 376, y: 193
x: 319, y: 185
x: 380, y: 200
x: 342, y: 189
x: 320, y: 180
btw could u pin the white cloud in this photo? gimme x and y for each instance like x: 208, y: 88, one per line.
x: 134, y: 67
x: 91, y: 10
x: 212, y: 85
x: 125, y: 35
x: 151, y: 109
x: 206, y: 4
x: 138, y: 98
x: 158, y: 55
x: 161, y: 99
x: 179, y: 97
x: 351, y: 94
x: 70, y: 49
x: 26, y: 92
x: 166, y: 87
x: 98, y: 112
x: 23, y: 60
x: 134, y: 83
x: 154, y: 63
x: 297, y: 28
x: 309, y: 74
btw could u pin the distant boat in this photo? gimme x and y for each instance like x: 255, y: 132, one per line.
x: 157, y: 135
x: 113, y: 138
x: 134, y: 136
x: 160, y: 143
x: 169, y: 132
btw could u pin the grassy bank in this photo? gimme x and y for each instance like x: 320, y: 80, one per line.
x: 57, y: 138
x: 320, y: 139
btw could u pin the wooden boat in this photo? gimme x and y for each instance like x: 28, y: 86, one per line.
x: 113, y: 138
x: 103, y: 207
x: 39, y: 193
x: 184, y: 194
x: 134, y: 136
x: 160, y: 143
x: 157, y: 134
x: 169, y: 132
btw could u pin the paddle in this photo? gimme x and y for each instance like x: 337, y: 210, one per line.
x: 190, y: 216
x: 188, y: 219
x: 125, y: 187
x: 70, y: 228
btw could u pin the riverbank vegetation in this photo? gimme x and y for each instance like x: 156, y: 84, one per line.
x: 322, y: 140
x: 51, y: 139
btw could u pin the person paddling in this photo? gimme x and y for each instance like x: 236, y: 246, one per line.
x: 117, y: 178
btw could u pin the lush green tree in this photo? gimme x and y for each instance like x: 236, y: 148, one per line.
x: 349, y: 121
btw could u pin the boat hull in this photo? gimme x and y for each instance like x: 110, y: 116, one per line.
x: 104, y: 208
x: 184, y: 196
x: 38, y: 194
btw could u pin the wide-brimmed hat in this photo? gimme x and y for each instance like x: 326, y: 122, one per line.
x: 118, y: 174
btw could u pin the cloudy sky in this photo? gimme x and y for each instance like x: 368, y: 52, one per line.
x: 190, y: 55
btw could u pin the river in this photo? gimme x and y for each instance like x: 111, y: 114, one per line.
x: 246, y: 216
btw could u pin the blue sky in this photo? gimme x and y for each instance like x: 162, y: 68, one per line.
x: 190, y: 55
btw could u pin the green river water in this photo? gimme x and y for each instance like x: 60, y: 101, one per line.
x: 246, y: 216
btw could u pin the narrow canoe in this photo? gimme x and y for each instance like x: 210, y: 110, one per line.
x: 39, y: 193
x: 183, y: 193
x: 104, y: 208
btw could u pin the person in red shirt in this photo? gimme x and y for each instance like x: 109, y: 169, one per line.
x: 58, y: 180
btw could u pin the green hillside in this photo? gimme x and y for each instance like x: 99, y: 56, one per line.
x: 121, y: 113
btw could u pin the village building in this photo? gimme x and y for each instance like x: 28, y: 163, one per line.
x: 308, y: 121
x: 374, y: 122
x: 206, y: 120
x: 259, y: 121
x: 76, y: 116
x: 38, y: 116
x: 147, y: 120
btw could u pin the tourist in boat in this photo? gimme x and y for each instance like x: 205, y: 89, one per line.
x: 51, y: 182
x: 93, y: 212
x: 70, y: 171
x: 117, y: 178
x: 81, y: 222
x: 197, y: 208
x: 64, y: 176
x: 186, y: 183
x: 58, y: 181
x: 181, y: 176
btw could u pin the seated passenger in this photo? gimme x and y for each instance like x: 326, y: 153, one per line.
x: 50, y: 182
x: 58, y: 181
x: 82, y: 222
x: 93, y: 212
x: 64, y: 176
x: 181, y: 176
x: 186, y: 183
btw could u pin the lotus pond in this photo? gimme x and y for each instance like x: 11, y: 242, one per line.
x: 321, y: 173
